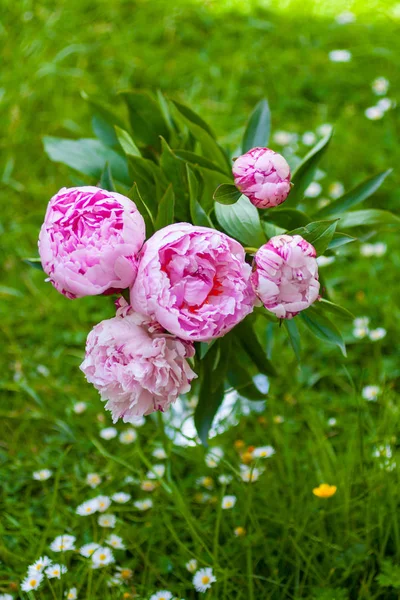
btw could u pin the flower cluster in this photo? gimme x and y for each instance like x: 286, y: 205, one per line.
x: 186, y: 284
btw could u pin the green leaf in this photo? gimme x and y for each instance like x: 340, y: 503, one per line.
x: 165, y: 214
x: 106, y: 181
x: 87, y: 156
x: 104, y: 120
x: 246, y: 336
x: 288, y: 218
x: 294, y: 336
x: 175, y: 172
x: 304, y: 173
x: 35, y: 263
x: 146, y: 119
x: 197, y: 213
x: 241, y: 221
x: 340, y: 239
x: 212, y: 373
x: 209, y: 146
x: 241, y: 380
x: 150, y: 179
x: 258, y: 127
x: 323, y: 328
x: 355, y: 196
x: 166, y: 113
x: 194, y: 118
x: 197, y: 160
x: 203, y: 347
x: 358, y: 218
x: 142, y: 207
x: 323, y: 305
x: 227, y: 193
x: 319, y: 234
x: 126, y: 142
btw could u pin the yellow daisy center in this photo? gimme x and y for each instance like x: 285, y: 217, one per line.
x: 102, y: 557
x: 205, y: 579
x: 32, y: 582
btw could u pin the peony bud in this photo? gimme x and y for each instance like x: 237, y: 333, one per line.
x: 263, y: 176
x: 285, y: 275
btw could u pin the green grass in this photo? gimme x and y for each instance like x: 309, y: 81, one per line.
x: 219, y: 57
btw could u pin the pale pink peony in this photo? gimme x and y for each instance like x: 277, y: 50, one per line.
x: 135, y: 365
x: 285, y: 275
x: 194, y: 281
x: 89, y: 241
x: 263, y: 176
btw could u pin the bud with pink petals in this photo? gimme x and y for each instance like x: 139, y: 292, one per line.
x: 285, y: 275
x: 194, y: 281
x: 135, y: 365
x: 90, y: 240
x: 263, y: 176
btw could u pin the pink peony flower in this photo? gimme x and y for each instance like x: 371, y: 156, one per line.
x: 135, y: 365
x: 194, y: 281
x: 285, y: 275
x: 263, y: 176
x: 89, y: 241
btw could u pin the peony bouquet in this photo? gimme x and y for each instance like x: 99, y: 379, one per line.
x: 201, y: 251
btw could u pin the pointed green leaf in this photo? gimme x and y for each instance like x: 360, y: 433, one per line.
x: 106, y: 181
x: 104, y: 120
x: 323, y: 305
x: 241, y: 221
x: 87, y: 156
x: 355, y: 196
x: 246, y: 336
x: 294, y: 336
x: 126, y: 142
x: 142, y: 207
x: 227, y: 193
x: 197, y: 160
x: 146, y: 119
x: 197, y: 212
x: 340, y: 239
x: 242, y: 381
x: 165, y: 214
x: 288, y: 218
x: 359, y: 218
x: 194, y: 118
x: 175, y: 172
x: 319, y: 234
x: 323, y: 328
x: 35, y: 263
x: 258, y: 127
x: 305, y: 172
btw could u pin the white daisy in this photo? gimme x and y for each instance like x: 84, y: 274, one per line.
x: 42, y: 475
x: 324, y: 129
x: 138, y: 421
x: 383, y: 452
x: 206, y: 482
x: 93, y: 480
x: 324, y: 261
x: 39, y: 565
x: 214, y: 456
x: 157, y: 471
x: 108, y: 433
x: 71, y: 594
x: 102, y: 557
x: 309, y: 138
x: 332, y: 422
x: 371, y: 392
x: 55, y: 571
x: 249, y: 475
x: 43, y: 370
x: 163, y: 595
x: 374, y: 113
x: 336, y: 189
x: 263, y: 452
x: 31, y: 582
x: 191, y: 565
x: 143, y: 504
x: 384, y: 104
x: 148, y: 486
x: 103, y: 502
x: 203, y: 579
x: 79, y: 408
x: 6, y: 597
x: 228, y: 502
x: 380, y: 86
x: 225, y: 479
x: 361, y: 322
x: 87, y: 508
x: 159, y: 453
x: 128, y: 436
x: 88, y: 549
x: 284, y: 138
x: 107, y: 521
x: 367, y: 250
x: 278, y: 419
x: 313, y: 190
x: 115, y: 541
x: 345, y: 18
x: 377, y: 334
x: 380, y: 249
x: 62, y: 543
x: 340, y: 56
x: 121, y: 497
